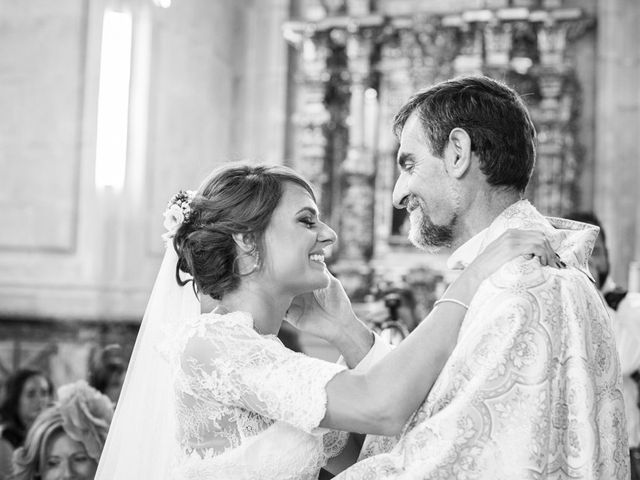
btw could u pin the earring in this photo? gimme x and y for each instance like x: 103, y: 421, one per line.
x: 255, y: 266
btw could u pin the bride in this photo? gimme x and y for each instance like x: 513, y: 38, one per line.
x: 217, y: 395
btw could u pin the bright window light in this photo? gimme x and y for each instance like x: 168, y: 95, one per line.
x: 113, y: 100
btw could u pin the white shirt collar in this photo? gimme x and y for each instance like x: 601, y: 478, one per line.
x: 465, y: 253
x: 468, y: 251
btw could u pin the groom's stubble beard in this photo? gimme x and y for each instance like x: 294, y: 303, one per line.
x: 426, y: 235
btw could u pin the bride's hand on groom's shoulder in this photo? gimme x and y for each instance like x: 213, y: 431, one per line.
x: 513, y: 243
x: 325, y: 312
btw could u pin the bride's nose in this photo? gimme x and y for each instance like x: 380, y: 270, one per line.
x: 327, y: 235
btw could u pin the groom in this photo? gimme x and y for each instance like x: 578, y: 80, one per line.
x: 533, y: 387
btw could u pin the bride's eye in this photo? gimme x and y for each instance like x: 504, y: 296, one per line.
x: 308, y: 222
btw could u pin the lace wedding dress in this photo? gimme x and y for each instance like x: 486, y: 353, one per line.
x: 247, y: 407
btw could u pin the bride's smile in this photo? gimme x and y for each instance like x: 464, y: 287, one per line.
x: 318, y: 258
x: 295, y: 243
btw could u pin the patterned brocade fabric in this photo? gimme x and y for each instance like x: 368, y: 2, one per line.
x: 533, y: 388
x: 247, y: 407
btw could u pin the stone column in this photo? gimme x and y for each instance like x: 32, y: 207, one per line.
x: 470, y: 59
x: 357, y: 172
x: 617, y: 172
x: 498, y: 42
x: 311, y: 115
x: 550, y: 144
x: 262, y: 81
x: 414, y: 54
x: 395, y: 87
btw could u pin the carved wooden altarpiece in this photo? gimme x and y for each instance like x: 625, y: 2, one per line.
x: 356, y: 65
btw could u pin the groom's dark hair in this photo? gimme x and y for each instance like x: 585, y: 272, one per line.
x: 493, y: 115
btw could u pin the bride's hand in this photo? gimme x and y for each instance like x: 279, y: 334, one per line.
x: 511, y: 244
x: 325, y: 312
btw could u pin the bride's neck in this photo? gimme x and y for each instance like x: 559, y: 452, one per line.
x: 268, y: 310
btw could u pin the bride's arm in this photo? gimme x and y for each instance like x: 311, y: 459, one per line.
x: 381, y: 400
x: 327, y: 313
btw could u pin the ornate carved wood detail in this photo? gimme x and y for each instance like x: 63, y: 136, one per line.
x: 366, y: 64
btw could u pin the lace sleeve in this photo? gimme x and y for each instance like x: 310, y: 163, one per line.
x: 333, y: 442
x: 235, y: 366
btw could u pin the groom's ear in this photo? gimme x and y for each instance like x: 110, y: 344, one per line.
x: 458, y: 153
x: 245, y: 242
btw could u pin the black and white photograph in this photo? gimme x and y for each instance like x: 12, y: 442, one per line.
x: 320, y: 239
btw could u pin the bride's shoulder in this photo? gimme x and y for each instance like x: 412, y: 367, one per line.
x: 209, y: 332
x: 217, y: 322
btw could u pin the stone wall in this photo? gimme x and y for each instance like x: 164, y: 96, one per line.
x: 616, y: 173
x: 208, y: 85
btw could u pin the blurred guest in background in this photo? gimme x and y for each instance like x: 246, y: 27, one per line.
x: 106, y: 371
x: 624, y: 308
x: 66, y: 440
x: 400, y: 301
x: 394, y: 314
x: 290, y: 337
x: 27, y: 393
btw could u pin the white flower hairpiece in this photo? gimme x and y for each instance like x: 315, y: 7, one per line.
x: 178, y: 212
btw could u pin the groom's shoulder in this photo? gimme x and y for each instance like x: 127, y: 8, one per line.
x: 544, y: 285
x: 522, y: 278
x: 522, y: 273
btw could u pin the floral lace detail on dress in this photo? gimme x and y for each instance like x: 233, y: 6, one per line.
x: 234, y: 386
x: 334, y: 442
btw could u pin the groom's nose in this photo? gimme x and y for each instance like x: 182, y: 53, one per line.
x: 400, y: 192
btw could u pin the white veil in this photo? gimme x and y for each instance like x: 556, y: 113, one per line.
x: 142, y: 438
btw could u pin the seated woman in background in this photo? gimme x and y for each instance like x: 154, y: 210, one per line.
x: 66, y: 439
x: 27, y: 393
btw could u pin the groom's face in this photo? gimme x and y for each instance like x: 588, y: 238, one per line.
x: 425, y: 189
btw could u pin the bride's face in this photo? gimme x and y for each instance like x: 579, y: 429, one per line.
x: 294, y: 244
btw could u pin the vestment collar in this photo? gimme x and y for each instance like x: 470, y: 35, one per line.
x: 573, y: 241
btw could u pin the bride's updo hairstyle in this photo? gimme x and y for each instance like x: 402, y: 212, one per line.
x: 234, y: 199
